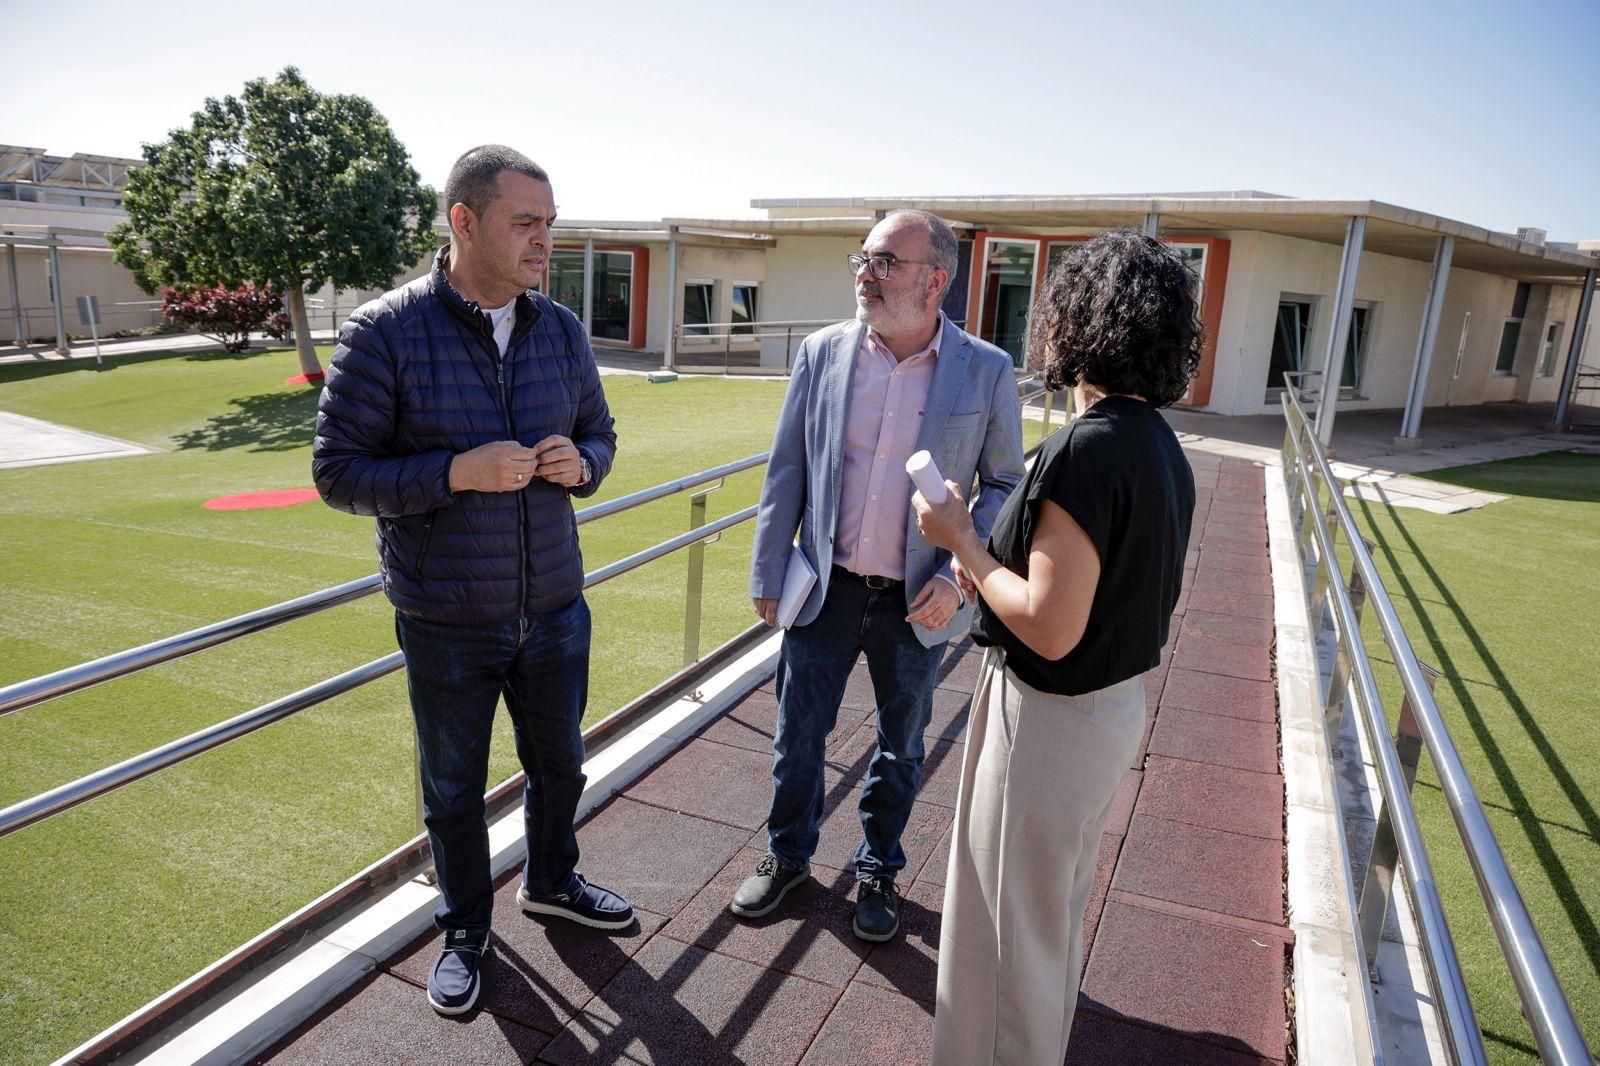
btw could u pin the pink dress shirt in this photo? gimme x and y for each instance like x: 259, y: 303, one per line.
x: 887, y: 398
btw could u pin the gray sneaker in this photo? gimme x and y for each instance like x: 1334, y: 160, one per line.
x: 761, y: 892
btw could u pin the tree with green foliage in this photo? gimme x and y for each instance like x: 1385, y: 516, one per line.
x: 279, y: 185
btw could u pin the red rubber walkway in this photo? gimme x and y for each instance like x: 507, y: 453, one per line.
x: 1186, y: 940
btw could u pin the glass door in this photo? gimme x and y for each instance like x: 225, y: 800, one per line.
x: 1008, y: 294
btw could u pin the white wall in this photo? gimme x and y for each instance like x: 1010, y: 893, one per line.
x: 1263, y: 267
x: 807, y: 279
x: 723, y: 267
x: 84, y: 272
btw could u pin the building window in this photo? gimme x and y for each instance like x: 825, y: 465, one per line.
x: 611, y: 311
x: 742, y: 309
x: 1008, y: 293
x: 1356, y: 347
x: 564, y: 282
x: 1547, y: 350
x: 1506, y: 360
x: 1290, y: 339
x: 698, y: 300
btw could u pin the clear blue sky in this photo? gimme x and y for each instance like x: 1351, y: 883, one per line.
x: 1484, y: 112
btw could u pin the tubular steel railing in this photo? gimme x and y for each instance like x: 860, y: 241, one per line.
x: 34, y: 691
x: 37, y: 690
x: 1319, y: 513
x: 693, y: 341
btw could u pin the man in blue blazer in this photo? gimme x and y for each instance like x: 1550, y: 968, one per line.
x: 863, y: 397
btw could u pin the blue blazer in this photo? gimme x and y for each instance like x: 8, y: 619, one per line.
x: 972, y: 425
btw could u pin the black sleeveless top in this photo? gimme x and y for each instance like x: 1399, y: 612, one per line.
x: 1119, y: 472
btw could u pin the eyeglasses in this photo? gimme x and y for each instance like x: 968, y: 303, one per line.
x: 879, y: 265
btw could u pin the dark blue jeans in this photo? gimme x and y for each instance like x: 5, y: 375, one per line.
x: 457, y: 675
x: 813, y: 667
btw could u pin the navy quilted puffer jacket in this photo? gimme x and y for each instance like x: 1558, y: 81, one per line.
x: 416, y: 379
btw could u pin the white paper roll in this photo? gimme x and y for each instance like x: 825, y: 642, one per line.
x: 925, y: 475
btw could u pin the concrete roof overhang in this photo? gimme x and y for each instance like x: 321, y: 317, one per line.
x: 842, y: 226
x: 725, y: 235
x: 1391, y: 230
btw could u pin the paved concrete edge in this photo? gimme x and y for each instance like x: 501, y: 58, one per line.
x: 294, y: 988
x: 1334, y: 1014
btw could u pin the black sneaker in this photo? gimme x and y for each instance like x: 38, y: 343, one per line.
x: 762, y: 891
x: 454, y: 982
x: 877, y: 909
x: 586, y: 904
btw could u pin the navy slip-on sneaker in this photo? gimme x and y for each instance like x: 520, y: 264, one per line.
x: 586, y: 904
x: 455, y: 980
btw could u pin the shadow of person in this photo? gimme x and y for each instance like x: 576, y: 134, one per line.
x: 1101, y: 1034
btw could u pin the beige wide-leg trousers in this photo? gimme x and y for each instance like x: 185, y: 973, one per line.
x: 1037, y: 781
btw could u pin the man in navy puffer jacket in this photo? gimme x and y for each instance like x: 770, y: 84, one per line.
x: 462, y: 410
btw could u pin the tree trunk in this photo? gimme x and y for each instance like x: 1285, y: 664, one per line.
x: 302, y: 333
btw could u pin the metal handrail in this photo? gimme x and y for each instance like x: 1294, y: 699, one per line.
x: 21, y: 815
x: 22, y: 694
x: 1556, y: 1031
x: 28, y: 812
x: 1449, y: 985
x: 37, y: 690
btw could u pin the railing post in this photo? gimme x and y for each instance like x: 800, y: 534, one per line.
x: 1049, y: 406
x: 1291, y: 470
x: 1339, y: 684
x: 695, y: 583
x: 1378, y: 888
x: 1305, y: 533
x: 429, y: 874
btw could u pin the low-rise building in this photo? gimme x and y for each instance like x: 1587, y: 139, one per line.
x: 1410, y: 309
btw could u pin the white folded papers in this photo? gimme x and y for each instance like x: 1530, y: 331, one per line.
x: 797, y: 582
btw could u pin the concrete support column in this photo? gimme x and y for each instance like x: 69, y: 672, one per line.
x: 19, y: 331
x: 1152, y: 224
x: 1344, y: 299
x: 588, y: 286
x: 669, y: 353
x: 58, y: 300
x: 1411, y: 422
x: 1574, y: 353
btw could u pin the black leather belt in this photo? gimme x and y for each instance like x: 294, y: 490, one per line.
x: 873, y: 581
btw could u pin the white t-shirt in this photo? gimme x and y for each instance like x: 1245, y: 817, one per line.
x: 502, y: 320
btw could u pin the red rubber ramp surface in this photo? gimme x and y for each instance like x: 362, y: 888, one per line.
x: 1185, y: 938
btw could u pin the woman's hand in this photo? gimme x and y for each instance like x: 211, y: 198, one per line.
x: 947, y: 525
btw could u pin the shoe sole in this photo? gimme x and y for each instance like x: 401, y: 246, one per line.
x: 751, y: 912
x: 451, y: 1012
x: 873, y: 938
x: 530, y: 906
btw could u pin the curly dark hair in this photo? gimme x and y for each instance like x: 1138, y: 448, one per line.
x: 1118, y: 312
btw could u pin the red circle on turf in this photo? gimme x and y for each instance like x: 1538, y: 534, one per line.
x: 303, y: 379
x: 250, y: 501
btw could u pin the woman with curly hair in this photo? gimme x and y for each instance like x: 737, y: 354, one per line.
x: 1076, y: 588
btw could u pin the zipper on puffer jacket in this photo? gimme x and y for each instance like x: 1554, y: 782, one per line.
x: 522, y: 501
x: 422, y: 552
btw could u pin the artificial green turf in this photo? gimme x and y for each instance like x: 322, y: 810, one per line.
x: 113, y: 903
x: 1505, y: 600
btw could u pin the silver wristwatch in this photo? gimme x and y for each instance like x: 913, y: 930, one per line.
x: 583, y: 469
